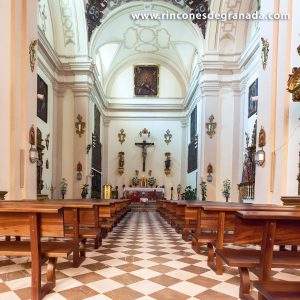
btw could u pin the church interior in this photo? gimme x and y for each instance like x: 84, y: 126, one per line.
x: 149, y: 154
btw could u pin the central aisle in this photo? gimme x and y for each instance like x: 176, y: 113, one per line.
x: 143, y: 258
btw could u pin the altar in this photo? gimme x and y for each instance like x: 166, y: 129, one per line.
x: 138, y: 193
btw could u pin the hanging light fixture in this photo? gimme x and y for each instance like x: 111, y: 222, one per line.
x: 260, y: 155
x: 33, y: 153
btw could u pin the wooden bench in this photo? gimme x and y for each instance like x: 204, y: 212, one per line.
x: 215, y: 225
x: 34, y: 222
x: 265, y: 228
x: 279, y: 290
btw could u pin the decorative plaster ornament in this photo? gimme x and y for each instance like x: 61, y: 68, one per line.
x: 293, y: 84
x: 145, y: 132
x: 265, y: 52
x: 95, y: 10
x: 32, y: 54
x: 168, y: 137
x: 122, y: 136
x: 211, y: 126
x: 80, y: 126
x: 42, y: 16
x: 298, y: 49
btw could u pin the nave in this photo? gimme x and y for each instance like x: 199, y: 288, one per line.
x: 142, y: 258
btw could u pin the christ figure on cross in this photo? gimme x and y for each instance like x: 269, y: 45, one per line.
x: 144, y: 145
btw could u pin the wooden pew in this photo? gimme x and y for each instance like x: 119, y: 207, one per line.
x: 34, y: 221
x: 215, y: 224
x: 265, y: 228
x: 179, y: 216
x: 111, y: 212
x: 274, y: 290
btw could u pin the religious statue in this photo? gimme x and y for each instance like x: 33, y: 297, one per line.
x: 144, y: 145
x: 168, y: 163
x: 121, y: 155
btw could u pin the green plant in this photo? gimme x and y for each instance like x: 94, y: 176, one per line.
x: 84, y: 191
x: 63, y: 187
x: 203, y: 186
x: 189, y: 193
x: 226, y: 189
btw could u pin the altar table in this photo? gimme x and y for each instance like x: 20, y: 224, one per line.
x: 136, y: 193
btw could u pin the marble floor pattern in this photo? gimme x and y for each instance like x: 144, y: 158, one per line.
x: 143, y: 258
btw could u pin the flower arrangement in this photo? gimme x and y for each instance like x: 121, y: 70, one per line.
x: 226, y: 189
x: 190, y: 194
x: 203, y: 186
x: 84, y: 191
x: 63, y: 187
x: 135, y: 179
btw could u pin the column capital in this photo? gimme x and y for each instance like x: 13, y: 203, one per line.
x: 106, y: 121
x: 184, y: 123
x: 82, y: 90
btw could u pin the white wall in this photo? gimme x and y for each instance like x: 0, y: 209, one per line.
x: 123, y: 85
x: 133, y: 155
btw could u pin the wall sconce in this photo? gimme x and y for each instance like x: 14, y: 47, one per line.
x: 88, y: 148
x: 211, y: 126
x: 168, y: 137
x: 122, y: 136
x: 260, y: 156
x: 47, y: 140
x: 33, y: 153
x: 80, y: 126
x: 210, y: 171
x: 79, y: 171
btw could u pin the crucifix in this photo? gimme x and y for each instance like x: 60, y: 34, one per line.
x: 144, y: 145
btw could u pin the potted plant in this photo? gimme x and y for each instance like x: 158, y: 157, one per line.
x: 226, y: 189
x: 203, y: 187
x: 63, y: 187
x: 84, y: 191
x: 190, y: 194
x: 151, y: 179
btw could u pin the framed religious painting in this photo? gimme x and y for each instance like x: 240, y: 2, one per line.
x: 253, y: 98
x: 42, y: 99
x: 146, y: 80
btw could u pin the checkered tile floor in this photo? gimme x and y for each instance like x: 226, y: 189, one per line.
x: 143, y: 258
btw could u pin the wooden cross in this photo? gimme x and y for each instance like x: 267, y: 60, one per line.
x: 144, y: 145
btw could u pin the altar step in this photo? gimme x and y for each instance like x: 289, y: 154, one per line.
x: 139, y: 206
